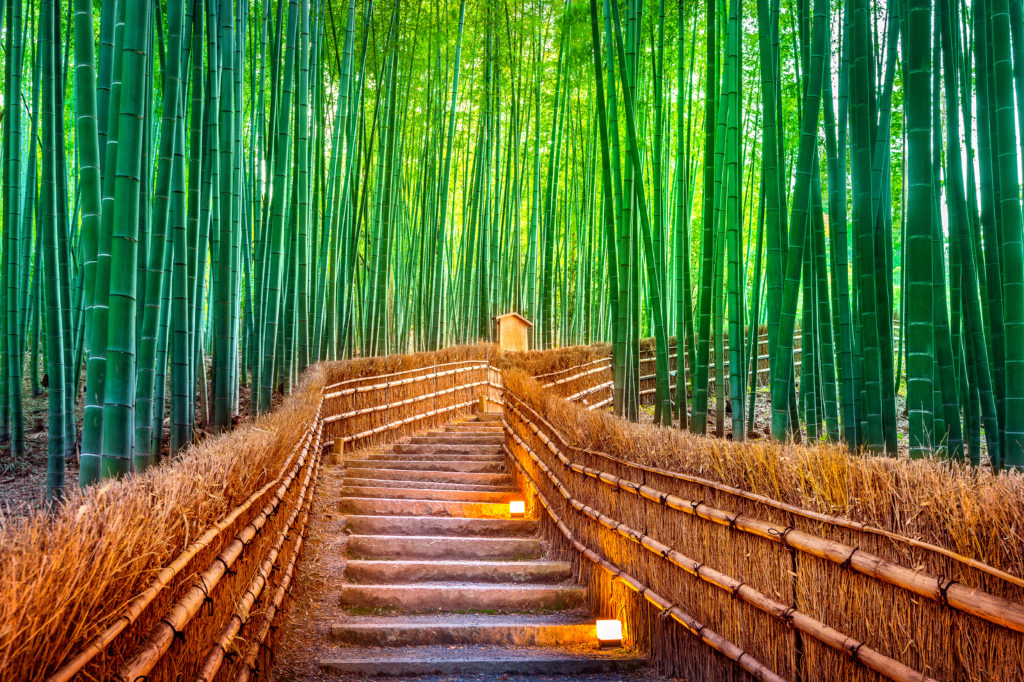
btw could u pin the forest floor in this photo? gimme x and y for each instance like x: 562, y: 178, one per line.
x: 23, y: 481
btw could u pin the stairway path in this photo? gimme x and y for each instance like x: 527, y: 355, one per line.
x: 416, y: 571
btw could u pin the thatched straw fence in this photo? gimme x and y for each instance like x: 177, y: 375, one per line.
x: 724, y: 560
x: 184, y: 572
x: 159, y: 575
x: 384, y: 399
x: 805, y: 563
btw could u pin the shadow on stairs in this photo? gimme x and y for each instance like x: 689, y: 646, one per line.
x: 422, y: 573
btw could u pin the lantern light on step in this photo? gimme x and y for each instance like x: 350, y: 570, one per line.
x: 517, y: 509
x: 609, y: 634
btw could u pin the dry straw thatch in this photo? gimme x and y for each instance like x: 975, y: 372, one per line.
x: 376, y: 400
x: 961, y: 511
x: 68, y: 576
x: 65, y: 576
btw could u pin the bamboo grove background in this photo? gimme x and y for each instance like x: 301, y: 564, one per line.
x: 202, y: 198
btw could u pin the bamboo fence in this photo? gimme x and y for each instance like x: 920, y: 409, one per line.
x: 805, y: 594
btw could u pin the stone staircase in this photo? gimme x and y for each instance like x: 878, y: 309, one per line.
x: 440, y: 581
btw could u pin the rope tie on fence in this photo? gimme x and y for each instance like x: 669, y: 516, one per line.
x: 736, y: 590
x: 847, y: 561
x: 944, y: 585
x: 663, y: 499
x: 782, y: 535
x: 666, y: 612
x: 855, y: 652
x: 787, y: 616
x: 732, y: 521
x: 694, y: 504
x: 175, y: 632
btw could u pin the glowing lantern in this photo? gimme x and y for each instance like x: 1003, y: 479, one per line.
x: 517, y: 508
x: 609, y: 634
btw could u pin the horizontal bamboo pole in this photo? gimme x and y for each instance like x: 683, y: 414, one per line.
x: 408, y: 420
x: 407, y: 401
x: 248, y: 667
x: 334, y: 386
x: 605, y: 366
x: 829, y: 636
x: 181, y: 613
x: 605, y: 360
x: 720, y: 644
x: 138, y: 605
x: 297, y: 520
x: 403, y: 382
x: 590, y: 391
x: 771, y: 502
x: 944, y: 590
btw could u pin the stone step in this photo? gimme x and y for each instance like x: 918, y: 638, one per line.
x: 388, y: 572
x: 489, y: 417
x: 433, y: 457
x: 427, y: 494
x: 446, y: 448
x: 424, y: 597
x: 474, y: 427
x: 459, y: 438
x: 382, y: 471
x: 426, y: 485
x: 487, y: 661
x: 460, y: 630
x: 440, y: 525
x: 384, y: 506
x: 491, y: 467
x: 444, y: 547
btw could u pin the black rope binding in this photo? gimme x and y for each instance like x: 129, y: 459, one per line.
x: 855, y: 652
x: 944, y: 585
x: 846, y: 562
x: 787, y: 616
x: 177, y: 634
x: 736, y: 590
x: 694, y: 504
x: 732, y: 521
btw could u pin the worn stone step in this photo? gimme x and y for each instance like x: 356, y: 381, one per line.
x: 446, y: 448
x: 427, y: 494
x: 382, y: 471
x: 488, y: 661
x: 384, y: 506
x: 489, y: 417
x: 459, y: 630
x: 475, y: 427
x: 459, y: 438
x: 426, y: 485
x: 492, y: 467
x: 434, y: 457
x: 445, y: 596
x: 385, y: 572
x: 439, y: 525
x: 452, y: 548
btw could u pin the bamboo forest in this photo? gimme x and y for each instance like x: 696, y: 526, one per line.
x: 807, y: 212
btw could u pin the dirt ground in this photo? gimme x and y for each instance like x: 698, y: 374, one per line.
x: 23, y: 481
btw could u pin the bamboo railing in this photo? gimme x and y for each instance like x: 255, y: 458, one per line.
x: 789, y: 567
x: 270, y: 526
